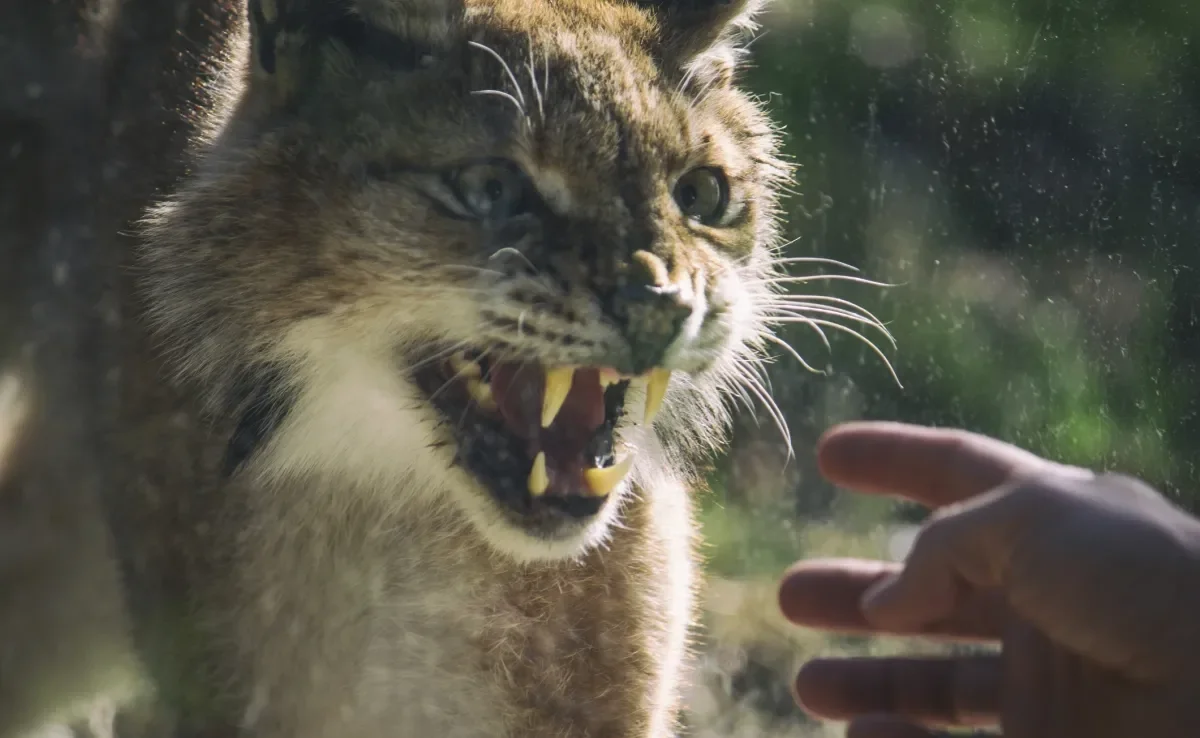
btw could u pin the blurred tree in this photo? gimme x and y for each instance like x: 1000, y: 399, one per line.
x: 94, y: 97
x: 1026, y: 174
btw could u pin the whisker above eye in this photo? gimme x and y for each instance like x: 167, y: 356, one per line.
x: 506, y: 96
x: 507, y: 70
x: 508, y: 253
x: 537, y: 93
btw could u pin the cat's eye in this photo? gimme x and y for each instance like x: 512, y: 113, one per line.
x: 703, y: 194
x: 495, y: 189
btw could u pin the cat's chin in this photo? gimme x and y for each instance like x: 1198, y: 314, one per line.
x: 552, y: 536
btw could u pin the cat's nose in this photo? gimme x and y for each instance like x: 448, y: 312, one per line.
x: 652, y: 310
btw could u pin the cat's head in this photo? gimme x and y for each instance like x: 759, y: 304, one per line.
x: 479, y: 248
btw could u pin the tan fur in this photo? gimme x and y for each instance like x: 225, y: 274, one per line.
x: 350, y: 579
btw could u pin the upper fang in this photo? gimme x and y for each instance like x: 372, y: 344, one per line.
x: 656, y: 390
x: 558, y: 386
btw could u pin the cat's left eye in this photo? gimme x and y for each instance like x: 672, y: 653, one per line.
x: 495, y: 189
x: 703, y: 195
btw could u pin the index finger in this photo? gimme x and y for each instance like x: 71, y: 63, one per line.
x: 932, y: 466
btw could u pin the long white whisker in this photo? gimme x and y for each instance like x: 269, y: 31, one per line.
x: 510, y: 251
x: 802, y: 308
x: 755, y: 384
x: 735, y: 388
x: 788, y: 299
x: 795, y: 354
x: 814, y: 260
x: 816, y: 329
x: 789, y: 317
x: 859, y: 336
x: 506, y: 96
x: 819, y: 278
x: 537, y: 93
x: 507, y: 70
x: 780, y: 246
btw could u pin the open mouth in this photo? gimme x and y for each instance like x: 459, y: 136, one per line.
x: 542, y: 440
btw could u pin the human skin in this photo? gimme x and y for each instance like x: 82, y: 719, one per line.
x: 1089, y: 582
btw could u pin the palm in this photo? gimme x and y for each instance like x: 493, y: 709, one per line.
x: 1052, y: 692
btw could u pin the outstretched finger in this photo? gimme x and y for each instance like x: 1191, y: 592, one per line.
x: 936, y: 692
x: 931, y: 466
x: 827, y: 594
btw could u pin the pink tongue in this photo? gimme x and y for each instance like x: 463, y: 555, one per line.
x: 518, y: 389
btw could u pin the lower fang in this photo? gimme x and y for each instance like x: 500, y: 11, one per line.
x: 603, y: 481
x: 538, y: 479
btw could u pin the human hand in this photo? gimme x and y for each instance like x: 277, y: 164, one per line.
x: 1091, y: 583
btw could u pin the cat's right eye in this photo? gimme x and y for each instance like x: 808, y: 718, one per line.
x: 495, y: 189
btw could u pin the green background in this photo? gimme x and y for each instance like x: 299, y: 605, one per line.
x: 1026, y: 175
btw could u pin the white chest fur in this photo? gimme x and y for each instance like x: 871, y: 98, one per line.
x: 425, y: 669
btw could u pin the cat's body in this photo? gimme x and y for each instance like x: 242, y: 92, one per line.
x: 423, y: 290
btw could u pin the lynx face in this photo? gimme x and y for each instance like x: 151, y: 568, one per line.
x: 484, y: 245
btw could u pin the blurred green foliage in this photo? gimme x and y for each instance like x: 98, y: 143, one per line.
x: 1027, y: 176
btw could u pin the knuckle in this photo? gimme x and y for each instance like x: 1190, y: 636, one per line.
x: 938, y: 533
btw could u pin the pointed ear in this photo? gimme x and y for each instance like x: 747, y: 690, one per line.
x: 291, y: 39
x: 692, y: 28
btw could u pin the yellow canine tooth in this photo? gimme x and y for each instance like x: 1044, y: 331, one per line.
x: 603, y: 481
x: 558, y: 386
x: 538, y: 479
x: 481, y: 393
x: 656, y: 389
